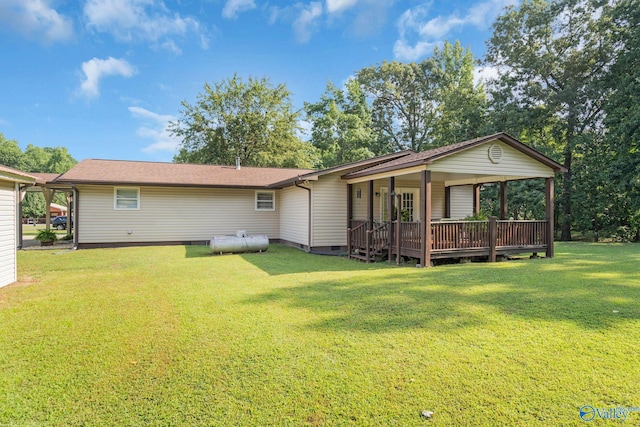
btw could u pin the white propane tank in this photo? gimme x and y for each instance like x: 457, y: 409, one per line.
x: 237, y: 245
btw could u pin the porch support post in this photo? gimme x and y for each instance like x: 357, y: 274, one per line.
x: 503, y: 200
x: 493, y: 237
x: 349, y: 216
x: 425, y: 224
x: 349, y: 204
x: 391, y: 188
x: 69, y: 197
x: 447, y: 202
x: 476, y: 198
x: 398, y: 229
x: 549, y: 206
x: 370, y: 205
x: 21, y: 193
x: 48, y: 198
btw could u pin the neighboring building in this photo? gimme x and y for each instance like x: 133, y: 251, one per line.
x: 121, y: 203
x: 10, y: 181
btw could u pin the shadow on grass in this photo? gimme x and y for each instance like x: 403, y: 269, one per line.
x: 282, y: 259
x: 197, y: 251
x: 586, y: 287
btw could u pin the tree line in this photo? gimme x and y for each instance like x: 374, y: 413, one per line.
x: 565, y: 80
x: 35, y: 159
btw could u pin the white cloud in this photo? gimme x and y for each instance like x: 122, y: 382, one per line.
x: 233, y: 8
x: 129, y: 20
x: 36, y: 18
x: 334, y: 6
x: 96, y: 68
x: 154, y: 127
x: 484, y: 74
x: 428, y: 33
x: 407, y: 52
x: 306, y: 20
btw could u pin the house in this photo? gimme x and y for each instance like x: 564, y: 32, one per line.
x: 349, y: 209
x: 10, y: 182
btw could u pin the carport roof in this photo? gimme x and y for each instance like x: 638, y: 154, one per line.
x: 15, y: 175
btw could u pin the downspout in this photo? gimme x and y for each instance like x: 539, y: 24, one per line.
x: 309, y: 216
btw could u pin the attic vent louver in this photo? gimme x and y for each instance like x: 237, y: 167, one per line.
x: 495, y: 153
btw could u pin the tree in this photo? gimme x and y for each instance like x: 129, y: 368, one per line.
x: 342, y: 129
x: 623, y: 116
x: 423, y: 105
x: 551, y: 58
x: 461, y: 105
x: 402, y: 102
x: 35, y: 159
x: 253, y: 121
x: 10, y: 153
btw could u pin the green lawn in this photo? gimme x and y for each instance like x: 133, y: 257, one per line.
x: 174, y: 336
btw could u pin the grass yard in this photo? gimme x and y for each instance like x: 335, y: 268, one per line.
x: 174, y: 336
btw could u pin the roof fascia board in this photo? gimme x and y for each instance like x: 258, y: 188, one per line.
x: 11, y: 177
x: 387, y: 174
x: 138, y: 184
x: 348, y: 167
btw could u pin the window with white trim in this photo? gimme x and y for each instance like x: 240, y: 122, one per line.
x: 126, y: 198
x: 265, y: 200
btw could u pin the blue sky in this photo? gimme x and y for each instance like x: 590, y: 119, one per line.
x: 104, y: 77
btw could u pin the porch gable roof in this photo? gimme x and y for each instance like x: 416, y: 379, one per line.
x: 429, y: 156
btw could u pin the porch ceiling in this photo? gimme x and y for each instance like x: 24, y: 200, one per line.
x: 450, y: 179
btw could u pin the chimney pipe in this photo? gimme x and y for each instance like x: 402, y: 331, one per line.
x: 237, y: 163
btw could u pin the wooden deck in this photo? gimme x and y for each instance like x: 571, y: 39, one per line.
x: 448, y: 239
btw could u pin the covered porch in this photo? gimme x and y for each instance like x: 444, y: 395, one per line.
x: 418, y: 206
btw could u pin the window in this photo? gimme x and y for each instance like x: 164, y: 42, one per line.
x: 265, y: 201
x: 126, y: 198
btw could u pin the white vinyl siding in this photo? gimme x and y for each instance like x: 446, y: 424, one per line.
x: 170, y: 214
x: 125, y: 198
x: 7, y: 233
x: 461, y: 201
x: 329, y: 207
x: 294, y: 215
x: 476, y: 161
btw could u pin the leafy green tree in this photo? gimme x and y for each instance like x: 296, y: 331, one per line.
x: 623, y: 117
x: 551, y: 57
x: 252, y: 120
x: 461, y: 104
x: 35, y: 159
x: 10, y: 153
x: 342, y: 129
x: 423, y: 105
x: 403, y: 102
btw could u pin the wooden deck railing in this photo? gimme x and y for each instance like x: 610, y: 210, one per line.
x: 379, y: 237
x: 357, y: 236
x: 522, y: 233
x: 459, y: 235
x: 448, y: 238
